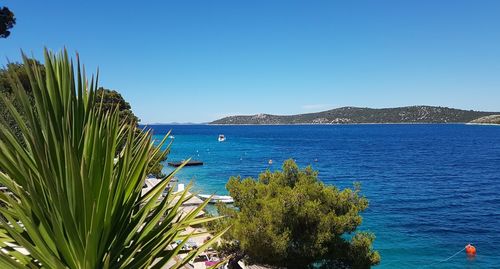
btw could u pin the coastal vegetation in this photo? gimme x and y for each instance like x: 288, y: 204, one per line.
x: 290, y: 219
x: 346, y: 115
x: 106, y: 98
x: 110, y: 99
x: 7, y: 91
x: 73, y: 197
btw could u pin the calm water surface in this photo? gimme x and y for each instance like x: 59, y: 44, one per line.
x: 432, y: 188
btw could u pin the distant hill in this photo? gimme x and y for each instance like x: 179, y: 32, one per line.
x: 492, y: 119
x: 170, y: 123
x: 345, y: 115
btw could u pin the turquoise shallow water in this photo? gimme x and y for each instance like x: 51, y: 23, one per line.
x: 432, y: 188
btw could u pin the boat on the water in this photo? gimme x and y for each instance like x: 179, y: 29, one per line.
x: 222, y: 138
x: 190, y: 163
x: 225, y: 199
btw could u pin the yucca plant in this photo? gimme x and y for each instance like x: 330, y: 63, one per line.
x: 74, y: 182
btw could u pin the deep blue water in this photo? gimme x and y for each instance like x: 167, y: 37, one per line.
x: 432, y: 188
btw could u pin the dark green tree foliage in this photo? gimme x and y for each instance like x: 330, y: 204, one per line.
x: 18, y: 70
x: 111, y: 99
x: 291, y: 219
x: 7, y: 21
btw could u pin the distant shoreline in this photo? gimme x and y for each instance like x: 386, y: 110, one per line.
x: 360, y: 123
x: 476, y: 123
x: 324, y: 124
x: 362, y: 115
x: 333, y: 124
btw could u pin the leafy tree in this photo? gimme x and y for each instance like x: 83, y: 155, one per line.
x: 74, y: 202
x: 291, y: 219
x: 7, y: 21
x: 111, y: 99
x: 17, y: 70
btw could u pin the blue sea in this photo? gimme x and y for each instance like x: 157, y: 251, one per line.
x: 432, y: 188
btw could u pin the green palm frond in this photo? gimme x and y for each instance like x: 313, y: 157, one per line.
x: 74, y: 183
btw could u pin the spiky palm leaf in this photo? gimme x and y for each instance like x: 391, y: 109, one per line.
x: 72, y: 202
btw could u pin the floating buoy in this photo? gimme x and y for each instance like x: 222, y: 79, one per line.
x: 470, y: 250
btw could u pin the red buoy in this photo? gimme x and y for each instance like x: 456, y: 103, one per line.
x: 470, y: 250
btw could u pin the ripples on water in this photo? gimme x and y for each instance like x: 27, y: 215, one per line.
x: 432, y: 188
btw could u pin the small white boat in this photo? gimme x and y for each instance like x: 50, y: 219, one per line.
x: 225, y: 199
x: 222, y: 138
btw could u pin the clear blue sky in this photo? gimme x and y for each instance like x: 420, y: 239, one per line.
x: 195, y: 61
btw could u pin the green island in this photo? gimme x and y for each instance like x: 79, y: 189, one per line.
x: 352, y: 115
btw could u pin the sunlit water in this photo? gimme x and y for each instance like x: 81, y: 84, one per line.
x: 432, y: 188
